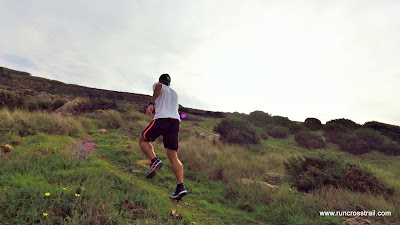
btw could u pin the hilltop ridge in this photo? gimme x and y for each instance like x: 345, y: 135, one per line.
x: 15, y: 80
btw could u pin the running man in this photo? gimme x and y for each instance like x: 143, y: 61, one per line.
x: 166, y: 123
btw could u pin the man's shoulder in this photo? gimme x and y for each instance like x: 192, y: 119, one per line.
x: 158, y: 83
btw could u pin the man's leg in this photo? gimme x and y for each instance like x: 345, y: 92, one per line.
x: 176, y: 165
x: 147, y: 148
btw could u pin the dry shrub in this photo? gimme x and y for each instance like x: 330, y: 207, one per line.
x: 309, y: 140
x: 25, y: 123
x: 210, y: 160
x: 338, y: 199
x: 110, y: 119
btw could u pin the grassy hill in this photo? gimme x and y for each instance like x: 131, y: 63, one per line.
x: 84, y: 166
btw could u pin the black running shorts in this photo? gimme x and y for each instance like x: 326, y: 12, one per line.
x: 167, y: 127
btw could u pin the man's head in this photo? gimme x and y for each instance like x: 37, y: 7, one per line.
x: 165, y: 79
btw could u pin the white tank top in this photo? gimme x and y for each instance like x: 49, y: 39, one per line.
x: 166, y: 105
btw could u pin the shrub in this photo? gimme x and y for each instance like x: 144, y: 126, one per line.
x: 134, y: 115
x: 44, y: 104
x: 294, y: 128
x: 215, y: 114
x: 96, y: 104
x: 260, y: 118
x: 280, y: 121
x: 11, y: 100
x: 313, y: 172
x: 57, y: 104
x: 31, y: 105
x: 345, y: 123
x: 313, y: 124
x: 109, y: 118
x: 334, y: 132
x: 390, y: 131
x: 264, y: 135
x: 309, y: 140
x: 235, y: 130
x: 278, y: 132
x: 390, y: 148
x: 53, y: 124
x: 24, y: 123
x: 353, y: 144
x: 372, y: 138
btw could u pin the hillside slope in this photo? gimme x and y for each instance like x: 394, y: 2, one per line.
x: 85, y: 166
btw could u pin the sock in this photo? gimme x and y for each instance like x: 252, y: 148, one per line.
x: 179, y: 185
x: 153, y: 160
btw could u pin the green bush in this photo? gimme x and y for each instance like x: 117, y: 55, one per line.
x: 353, y: 144
x: 24, y: 123
x: 313, y: 172
x: 313, y: 124
x: 309, y: 140
x: 108, y: 118
x: 264, y: 135
x: 32, y: 105
x: 11, y: 100
x: 390, y: 148
x: 280, y: 121
x: 96, y: 104
x: 215, y: 114
x: 278, y: 132
x: 294, y: 128
x: 260, y: 118
x: 390, y: 131
x: 53, y: 124
x: 235, y: 130
x: 334, y: 132
x: 349, y: 124
x: 57, y: 104
x: 44, y: 104
x: 372, y: 138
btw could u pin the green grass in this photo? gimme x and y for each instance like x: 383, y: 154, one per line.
x: 116, y: 192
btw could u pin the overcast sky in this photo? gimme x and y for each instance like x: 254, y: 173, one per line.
x: 298, y: 59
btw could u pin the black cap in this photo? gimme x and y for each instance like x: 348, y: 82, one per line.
x: 165, y: 79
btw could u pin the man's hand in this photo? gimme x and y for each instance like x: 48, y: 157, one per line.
x: 149, y: 110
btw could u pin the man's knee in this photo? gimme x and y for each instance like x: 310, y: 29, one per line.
x: 172, y: 153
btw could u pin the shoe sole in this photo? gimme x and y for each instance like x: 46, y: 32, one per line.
x: 154, y: 171
x: 180, y: 195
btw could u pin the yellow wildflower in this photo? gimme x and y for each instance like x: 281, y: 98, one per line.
x: 45, y: 214
x: 64, y: 189
x: 77, y: 195
x: 47, y: 194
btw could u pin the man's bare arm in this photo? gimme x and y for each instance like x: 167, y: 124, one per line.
x: 157, y: 92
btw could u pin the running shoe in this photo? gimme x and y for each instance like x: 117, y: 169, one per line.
x: 180, y: 191
x: 154, y: 168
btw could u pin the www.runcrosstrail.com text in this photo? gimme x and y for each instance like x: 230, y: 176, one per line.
x: 355, y: 213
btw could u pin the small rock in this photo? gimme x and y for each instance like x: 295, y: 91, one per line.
x: 247, y: 181
x: 16, y: 142
x: 210, y: 136
x: 78, y: 191
x: 7, y: 148
x: 103, y: 131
